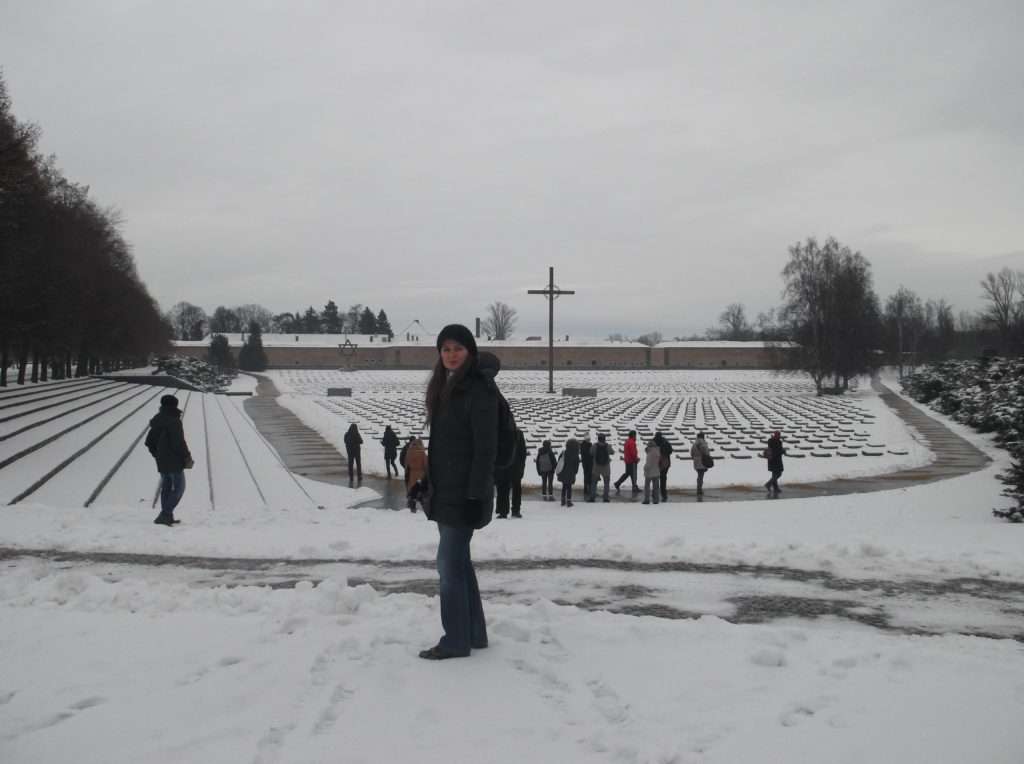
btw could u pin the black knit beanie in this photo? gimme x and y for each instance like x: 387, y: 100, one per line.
x: 460, y: 334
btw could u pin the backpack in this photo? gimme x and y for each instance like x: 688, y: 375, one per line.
x: 507, y: 440
x: 544, y: 462
x: 601, y: 454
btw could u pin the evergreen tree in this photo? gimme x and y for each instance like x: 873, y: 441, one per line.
x: 311, y: 321
x: 220, y: 352
x: 330, y: 319
x: 1013, y: 480
x: 367, y: 323
x: 252, y: 357
x: 383, y: 325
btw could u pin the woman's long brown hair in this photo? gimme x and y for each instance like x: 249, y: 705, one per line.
x: 439, y: 388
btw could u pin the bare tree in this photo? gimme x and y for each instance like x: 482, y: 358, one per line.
x: 650, y: 339
x: 500, y: 322
x: 224, y: 320
x: 186, y: 318
x: 831, y: 311
x: 905, y: 316
x: 250, y: 312
x: 1004, y: 292
x: 733, y: 321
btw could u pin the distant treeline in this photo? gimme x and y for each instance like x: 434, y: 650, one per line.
x: 191, y: 322
x: 71, y: 301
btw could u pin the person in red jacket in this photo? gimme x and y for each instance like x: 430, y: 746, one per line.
x: 632, y: 459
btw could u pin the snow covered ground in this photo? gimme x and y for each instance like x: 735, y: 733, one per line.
x: 98, y: 666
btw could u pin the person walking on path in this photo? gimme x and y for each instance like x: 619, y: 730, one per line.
x: 415, y: 462
x: 587, y: 462
x: 568, y: 466
x: 652, y: 471
x: 165, y: 441
x: 664, y: 463
x: 462, y: 411
x: 773, y: 453
x: 509, y: 481
x: 702, y: 461
x: 631, y: 458
x: 602, y: 466
x: 390, y: 442
x: 546, y: 461
x: 353, y: 444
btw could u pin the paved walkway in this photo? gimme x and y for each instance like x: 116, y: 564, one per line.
x: 306, y: 453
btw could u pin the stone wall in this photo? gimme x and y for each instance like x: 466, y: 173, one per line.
x: 579, y: 357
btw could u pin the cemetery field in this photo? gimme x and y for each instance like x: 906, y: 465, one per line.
x: 826, y: 437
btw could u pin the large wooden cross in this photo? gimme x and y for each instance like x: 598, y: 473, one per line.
x: 552, y: 293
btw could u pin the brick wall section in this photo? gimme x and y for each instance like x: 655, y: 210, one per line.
x: 394, y: 356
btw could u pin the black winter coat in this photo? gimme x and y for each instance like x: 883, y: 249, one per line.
x: 390, y: 442
x: 570, y: 466
x: 666, y: 453
x: 166, y: 440
x: 775, y: 451
x: 587, y: 456
x: 463, y: 446
x: 515, y: 470
x: 353, y: 440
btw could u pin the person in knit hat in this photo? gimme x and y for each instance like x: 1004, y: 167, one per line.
x: 165, y: 441
x: 462, y: 412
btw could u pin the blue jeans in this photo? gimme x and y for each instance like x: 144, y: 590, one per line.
x: 172, y: 488
x: 462, y: 613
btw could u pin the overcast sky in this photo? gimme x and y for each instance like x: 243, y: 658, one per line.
x: 429, y: 158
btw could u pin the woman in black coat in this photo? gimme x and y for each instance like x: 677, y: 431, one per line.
x: 774, y: 452
x: 570, y: 460
x: 353, y: 445
x: 462, y: 411
x: 390, y: 443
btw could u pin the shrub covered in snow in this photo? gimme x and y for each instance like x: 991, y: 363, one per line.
x: 987, y: 394
x: 199, y: 373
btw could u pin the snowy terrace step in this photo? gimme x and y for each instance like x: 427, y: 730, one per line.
x: 13, y: 400
x: 79, y: 458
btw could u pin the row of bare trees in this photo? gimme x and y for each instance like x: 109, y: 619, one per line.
x: 71, y: 301
x: 834, y: 326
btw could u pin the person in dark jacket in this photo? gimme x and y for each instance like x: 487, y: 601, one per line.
x: 509, y: 481
x: 353, y: 443
x: 570, y: 461
x: 602, y: 465
x: 462, y: 411
x: 587, y: 462
x: 773, y: 452
x: 166, y: 442
x: 701, y: 455
x: 390, y: 442
x: 546, y: 461
x: 666, y: 461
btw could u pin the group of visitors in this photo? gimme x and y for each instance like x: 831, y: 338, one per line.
x: 593, y: 458
x: 456, y: 486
